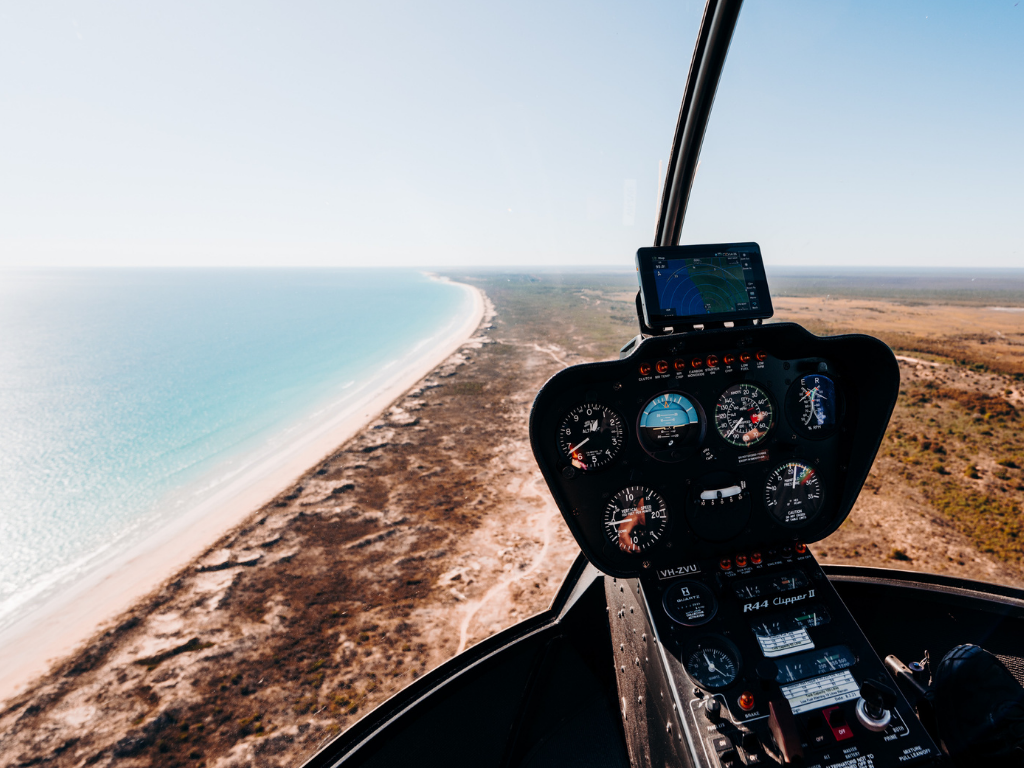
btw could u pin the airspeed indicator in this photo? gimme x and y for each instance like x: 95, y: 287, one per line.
x: 744, y: 415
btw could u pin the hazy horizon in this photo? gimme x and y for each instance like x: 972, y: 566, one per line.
x: 406, y: 135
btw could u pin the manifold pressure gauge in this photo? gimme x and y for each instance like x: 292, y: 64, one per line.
x: 794, y: 493
x: 635, y: 519
x: 591, y: 436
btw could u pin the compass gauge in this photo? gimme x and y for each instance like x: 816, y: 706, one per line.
x: 744, y: 415
x: 591, y: 436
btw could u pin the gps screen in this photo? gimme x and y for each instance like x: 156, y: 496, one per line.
x: 703, y: 283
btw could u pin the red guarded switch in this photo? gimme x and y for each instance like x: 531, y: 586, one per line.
x: 837, y: 722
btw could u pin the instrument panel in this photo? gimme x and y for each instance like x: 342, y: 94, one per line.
x: 701, y: 443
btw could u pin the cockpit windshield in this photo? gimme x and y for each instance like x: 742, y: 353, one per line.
x: 279, y: 287
x: 872, y: 151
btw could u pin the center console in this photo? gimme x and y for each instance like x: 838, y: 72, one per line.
x: 758, y: 662
x: 693, y: 472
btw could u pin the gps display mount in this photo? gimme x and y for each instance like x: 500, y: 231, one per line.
x: 685, y: 288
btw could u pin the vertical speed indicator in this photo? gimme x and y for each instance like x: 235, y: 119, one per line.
x: 635, y: 519
x: 591, y: 436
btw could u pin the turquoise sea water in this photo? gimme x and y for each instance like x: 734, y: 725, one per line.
x: 126, y: 395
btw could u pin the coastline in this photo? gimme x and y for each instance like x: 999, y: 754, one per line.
x: 31, y: 645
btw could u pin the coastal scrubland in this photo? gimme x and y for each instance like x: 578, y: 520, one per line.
x: 432, y: 529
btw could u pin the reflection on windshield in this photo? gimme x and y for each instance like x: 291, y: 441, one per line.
x: 824, y: 147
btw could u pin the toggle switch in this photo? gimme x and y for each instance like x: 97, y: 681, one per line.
x: 783, y: 727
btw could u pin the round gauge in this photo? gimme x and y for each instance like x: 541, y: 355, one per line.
x: 689, y: 603
x: 670, y: 426
x: 794, y: 493
x: 812, y: 405
x: 712, y: 662
x: 591, y: 436
x: 635, y: 519
x: 744, y: 415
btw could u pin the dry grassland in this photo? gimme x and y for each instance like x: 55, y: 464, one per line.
x: 432, y: 530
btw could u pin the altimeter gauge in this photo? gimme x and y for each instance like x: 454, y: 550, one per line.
x: 794, y: 493
x: 744, y: 415
x: 635, y: 519
x: 591, y: 436
x: 712, y: 662
x: 812, y: 405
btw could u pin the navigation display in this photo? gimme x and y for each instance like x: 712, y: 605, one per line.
x: 701, y: 283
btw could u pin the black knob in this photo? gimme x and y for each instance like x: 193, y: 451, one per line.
x: 712, y: 709
x: 878, y: 697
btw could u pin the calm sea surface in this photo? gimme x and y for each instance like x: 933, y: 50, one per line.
x: 126, y: 396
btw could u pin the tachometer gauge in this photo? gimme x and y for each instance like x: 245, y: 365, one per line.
x: 591, y: 436
x: 671, y: 426
x: 793, y: 493
x: 635, y: 519
x: 744, y: 415
x: 712, y: 662
x: 812, y: 405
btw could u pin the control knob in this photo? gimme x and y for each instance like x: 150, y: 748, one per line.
x: 712, y: 709
x: 874, y: 705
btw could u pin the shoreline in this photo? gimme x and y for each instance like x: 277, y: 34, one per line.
x: 29, y: 646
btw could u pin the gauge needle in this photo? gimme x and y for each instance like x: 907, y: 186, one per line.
x: 576, y: 448
x: 735, y: 427
x: 711, y: 664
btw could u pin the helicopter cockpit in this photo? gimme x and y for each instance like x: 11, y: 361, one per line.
x: 697, y: 628
x: 695, y: 470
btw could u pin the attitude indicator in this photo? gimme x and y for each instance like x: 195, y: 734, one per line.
x: 671, y: 426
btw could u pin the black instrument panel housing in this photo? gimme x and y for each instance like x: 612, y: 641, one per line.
x: 864, y: 369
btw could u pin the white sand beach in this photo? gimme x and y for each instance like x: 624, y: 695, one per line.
x: 56, y: 628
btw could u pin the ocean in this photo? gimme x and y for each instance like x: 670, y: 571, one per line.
x: 127, y: 397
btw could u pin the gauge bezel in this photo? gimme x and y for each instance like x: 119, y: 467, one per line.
x: 791, y: 409
x: 709, y: 593
x: 821, y: 504
x: 694, y: 645
x: 685, y: 452
x: 622, y: 443
x: 663, y: 535
x: 775, y: 412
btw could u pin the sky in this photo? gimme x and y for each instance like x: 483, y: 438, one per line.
x: 467, y: 133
